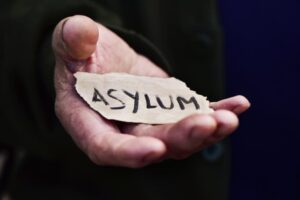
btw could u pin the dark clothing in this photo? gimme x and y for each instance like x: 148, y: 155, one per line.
x: 49, y: 165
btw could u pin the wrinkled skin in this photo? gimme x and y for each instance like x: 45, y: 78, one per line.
x: 80, y: 44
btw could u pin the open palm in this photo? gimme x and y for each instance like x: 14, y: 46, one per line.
x: 81, y: 44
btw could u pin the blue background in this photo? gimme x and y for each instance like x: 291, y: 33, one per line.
x: 262, y: 45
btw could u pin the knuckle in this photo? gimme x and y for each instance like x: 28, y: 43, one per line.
x: 95, y: 158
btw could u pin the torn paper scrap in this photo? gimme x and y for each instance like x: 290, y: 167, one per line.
x: 139, y: 99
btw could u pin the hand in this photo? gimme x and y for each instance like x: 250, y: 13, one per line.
x: 81, y: 44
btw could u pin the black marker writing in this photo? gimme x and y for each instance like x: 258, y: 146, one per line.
x: 181, y: 101
x: 98, y: 97
x: 160, y: 103
x: 115, y: 98
x: 136, y: 100
x: 156, y: 103
x: 148, y: 103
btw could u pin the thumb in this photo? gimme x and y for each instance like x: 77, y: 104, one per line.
x: 74, y: 41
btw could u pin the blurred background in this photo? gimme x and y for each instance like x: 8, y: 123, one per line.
x: 262, y: 47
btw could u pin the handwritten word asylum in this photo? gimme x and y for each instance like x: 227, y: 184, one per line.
x: 115, y: 100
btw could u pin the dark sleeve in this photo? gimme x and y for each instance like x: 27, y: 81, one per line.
x: 27, y: 64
